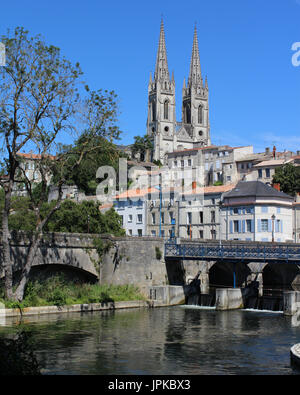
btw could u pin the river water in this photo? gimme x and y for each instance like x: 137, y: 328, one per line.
x: 181, y: 340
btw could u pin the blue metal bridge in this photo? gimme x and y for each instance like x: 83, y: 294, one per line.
x: 234, y: 252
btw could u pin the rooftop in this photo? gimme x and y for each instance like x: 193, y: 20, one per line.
x: 256, y: 189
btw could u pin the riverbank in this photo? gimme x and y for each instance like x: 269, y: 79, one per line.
x: 84, y: 307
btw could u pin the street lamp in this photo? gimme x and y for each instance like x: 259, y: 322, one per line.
x: 273, y: 220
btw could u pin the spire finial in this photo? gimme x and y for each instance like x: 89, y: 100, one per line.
x: 195, y: 68
x: 161, y: 69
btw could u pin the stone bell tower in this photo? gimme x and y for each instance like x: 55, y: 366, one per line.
x: 161, y: 104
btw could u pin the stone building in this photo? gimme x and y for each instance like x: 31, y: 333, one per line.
x: 162, y: 212
x: 166, y: 133
x: 218, y: 162
x: 199, y: 212
x: 255, y: 211
x: 132, y: 207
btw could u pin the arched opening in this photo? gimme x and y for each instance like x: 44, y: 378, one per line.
x: 187, y: 113
x: 166, y: 109
x: 153, y: 111
x: 200, y: 114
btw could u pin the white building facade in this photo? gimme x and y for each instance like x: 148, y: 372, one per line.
x: 254, y: 211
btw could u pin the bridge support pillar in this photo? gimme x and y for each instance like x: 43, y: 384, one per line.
x: 229, y: 299
x: 257, y: 274
x: 204, y: 282
x: 291, y: 302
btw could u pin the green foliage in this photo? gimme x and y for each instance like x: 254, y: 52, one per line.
x: 158, y: 253
x: 288, y: 176
x: 58, y: 290
x: 218, y: 183
x: 72, y: 217
x: 141, y: 144
x: 17, y: 356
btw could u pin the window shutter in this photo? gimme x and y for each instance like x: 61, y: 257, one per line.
x: 269, y: 225
x: 259, y: 225
x: 244, y: 226
x: 252, y: 225
x: 281, y: 226
x: 230, y: 227
x: 276, y: 226
x: 240, y: 226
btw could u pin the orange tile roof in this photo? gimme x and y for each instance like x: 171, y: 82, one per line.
x: 135, y: 193
x: 34, y: 156
x: 210, y: 189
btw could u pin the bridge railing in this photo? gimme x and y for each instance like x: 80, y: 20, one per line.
x: 232, y: 251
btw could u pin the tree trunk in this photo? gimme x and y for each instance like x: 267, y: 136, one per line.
x: 7, y: 263
x: 18, y: 295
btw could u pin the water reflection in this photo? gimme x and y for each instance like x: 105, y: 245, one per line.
x: 177, y: 340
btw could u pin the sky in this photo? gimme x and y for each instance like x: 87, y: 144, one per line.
x: 245, y: 51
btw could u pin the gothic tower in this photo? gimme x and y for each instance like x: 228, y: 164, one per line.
x: 195, y: 108
x: 161, y: 103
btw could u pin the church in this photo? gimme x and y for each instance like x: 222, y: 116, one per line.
x: 167, y: 134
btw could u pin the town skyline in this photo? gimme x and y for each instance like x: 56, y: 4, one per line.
x: 245, y: 50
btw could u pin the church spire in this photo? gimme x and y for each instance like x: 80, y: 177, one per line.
x: 195, y: 78
x: 161, y: 68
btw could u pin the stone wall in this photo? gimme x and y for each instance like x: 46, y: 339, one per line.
x: 129, y: 260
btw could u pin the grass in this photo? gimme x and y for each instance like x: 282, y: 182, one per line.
x: 59, y: 291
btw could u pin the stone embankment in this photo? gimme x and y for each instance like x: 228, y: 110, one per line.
x: 295, y: 354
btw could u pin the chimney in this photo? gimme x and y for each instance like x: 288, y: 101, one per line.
x: 194, y: 185
x: 276, y: 186
x: 267, y: 151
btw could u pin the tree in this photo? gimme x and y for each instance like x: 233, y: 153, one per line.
x: 288, y: 176
x: 41, y: 101
x: 142, y: 145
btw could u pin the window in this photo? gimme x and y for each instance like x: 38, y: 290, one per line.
x: 189, y: 162
x: 235, y: 210
x: 182, y: 163
x: 130, y: 218
x: 162, y: 218
x: 213, y: 216
x: 153, y: 112
x: 130, y: 232
x: 248, y: 225
x: 187, y: 113
x: 260, y: 173
x: 213, y: 234
x: 153, y: 233
x: 201, y: 234
x: 139, y: 218
x: 201, y: 217
x: 171, y: 216
x: 140, y: 232
x: 189, y: 218
x: 200, y: 114
x: 166, y: 109
x: 236, y: 226
x: 264, y: 225
x: 267, y: 173
x: 153, y: 218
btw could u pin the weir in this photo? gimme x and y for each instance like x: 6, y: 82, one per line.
x: 249, y: 296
